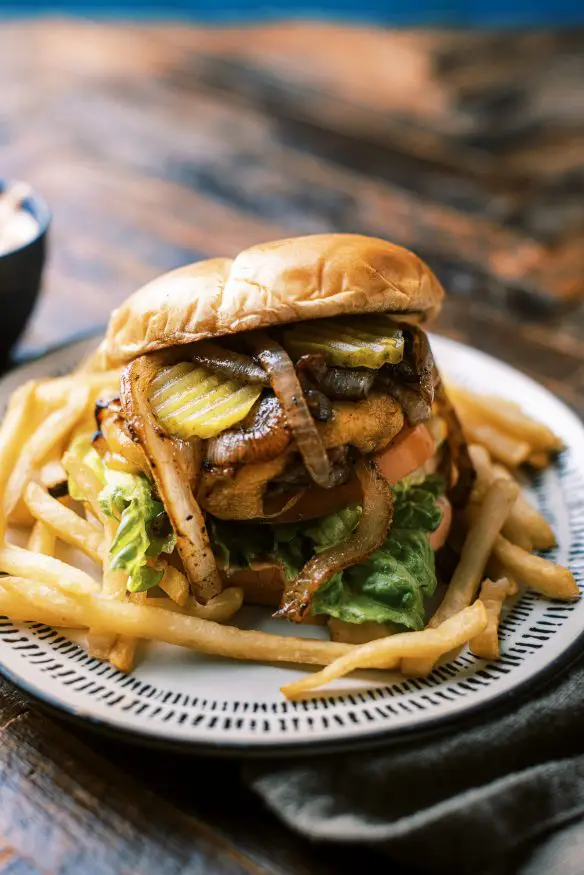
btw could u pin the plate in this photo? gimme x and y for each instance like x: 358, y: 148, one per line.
x: 180, y: 699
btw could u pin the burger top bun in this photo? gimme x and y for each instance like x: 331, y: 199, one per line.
x: 269, y: 284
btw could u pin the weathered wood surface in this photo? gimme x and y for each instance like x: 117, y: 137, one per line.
x: 85, y: 805
x: 159, y: 145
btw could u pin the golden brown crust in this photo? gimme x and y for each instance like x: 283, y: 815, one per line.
x: 273, y: 283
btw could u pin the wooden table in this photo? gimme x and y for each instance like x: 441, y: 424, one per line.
x: 156, y: 146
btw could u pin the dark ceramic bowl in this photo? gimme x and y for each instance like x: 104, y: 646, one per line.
x: 20, y: 274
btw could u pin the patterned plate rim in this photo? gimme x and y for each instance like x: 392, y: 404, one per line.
x: 374, y: 737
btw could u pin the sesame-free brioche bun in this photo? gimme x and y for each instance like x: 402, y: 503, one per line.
x: 269, y: 284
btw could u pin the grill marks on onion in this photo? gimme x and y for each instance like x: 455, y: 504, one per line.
x: 174, y: 468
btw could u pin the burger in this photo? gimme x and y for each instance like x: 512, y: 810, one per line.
x: 281, y: 426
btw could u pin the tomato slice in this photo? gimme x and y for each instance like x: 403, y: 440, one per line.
x: 406, y: 453
x: 437, y: 538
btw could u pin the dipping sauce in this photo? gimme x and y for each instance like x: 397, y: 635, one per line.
x: 17, y: 225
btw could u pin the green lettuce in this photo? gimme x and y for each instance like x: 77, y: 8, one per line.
x: 144, y: 531
x: 389, y: 587
x: 239, y: 546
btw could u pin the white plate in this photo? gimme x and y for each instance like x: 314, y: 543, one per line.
x: 176, y: 698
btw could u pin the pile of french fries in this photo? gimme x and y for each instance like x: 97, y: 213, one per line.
x: 497, y: 534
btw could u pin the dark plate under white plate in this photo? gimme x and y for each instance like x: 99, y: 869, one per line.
x: 177, y: 698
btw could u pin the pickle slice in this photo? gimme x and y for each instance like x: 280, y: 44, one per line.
x: 349, y: 342
x: 190, y: 401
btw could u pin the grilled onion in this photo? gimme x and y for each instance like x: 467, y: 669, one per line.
x: 369, y: 535
x: 286, y: 385
x: 413, y: 404
x: 266, y: 436
x: 230, y: 364
x: 173, y: 470
x: 319, y: 405
x: 349, y: 384
x: 412, y: 381
x: 119, y: 442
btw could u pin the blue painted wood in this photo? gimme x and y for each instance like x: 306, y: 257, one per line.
x: 453, y: 13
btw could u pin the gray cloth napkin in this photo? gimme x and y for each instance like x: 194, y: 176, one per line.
x: 469, y: 799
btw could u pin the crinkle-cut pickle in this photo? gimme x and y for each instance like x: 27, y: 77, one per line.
x: 360, y: 342
x: 190, y: 401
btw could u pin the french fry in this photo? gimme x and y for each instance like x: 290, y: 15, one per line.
x: 538, y: 460
x: 385, y: 653
x: 87, y: 482
x: 516, y: 533
x: 538, y: 574
x: 123, y: 650
x: 13, y: 434
x: 52, y: 472
x: 114, y: 586
x: 220, y: 608
x: 114, y: 579
x: 13, y: 593
x: 356, y: 633
x: 523, y: 518
x: 48, y: 434
x: 42, y: 539
x: 506, y: 416
x: 481, y: 461
x: 537, y: 528
x: 47, y: 569
x: 493, y: 595
x: 477, y: 548
x: 67, y: 525
x: 175, y: 585
x: 85, y: 427
x: 496, y: 571
x: 503, y: 447
x: 56, y: 392
x: 141, y: 621
x: 514, y: 528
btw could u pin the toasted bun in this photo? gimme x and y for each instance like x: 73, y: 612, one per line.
x: 282, y: 281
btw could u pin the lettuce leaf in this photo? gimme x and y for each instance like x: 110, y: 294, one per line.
x: 389, y: 587
x: 239, y: 546
x: 144, y: 531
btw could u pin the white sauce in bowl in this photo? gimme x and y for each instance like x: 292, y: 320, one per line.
x: 17, y: 226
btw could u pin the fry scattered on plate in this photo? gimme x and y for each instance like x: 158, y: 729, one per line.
x: 251, y: 432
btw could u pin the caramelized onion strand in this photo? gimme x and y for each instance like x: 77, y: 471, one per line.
x: 266, y: 437
x: 174, y: 472
x: 229, y: 363
x: 369, y: 535
x: 349, y: 384
x: 288, y: 390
